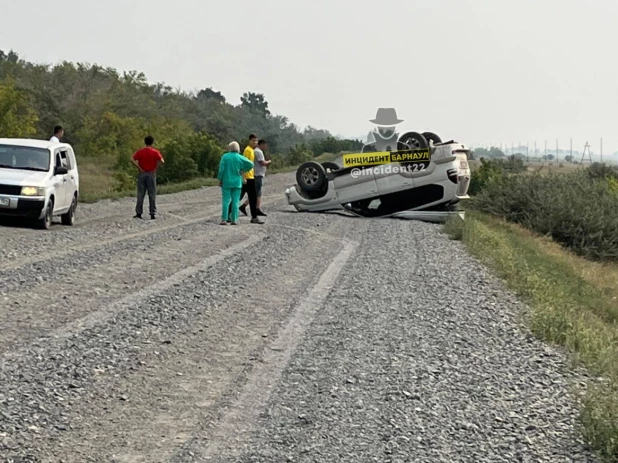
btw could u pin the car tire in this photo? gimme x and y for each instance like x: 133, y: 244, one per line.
x: 46, y: 222
x: 311, y: 176
x: 415, y: 139
x: 330, y: 166
x: 432, y: 137
x: 69, y: 217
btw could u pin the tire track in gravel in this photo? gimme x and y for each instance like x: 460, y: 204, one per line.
x: 240, y: 418
x: 94, y: 242
x: 90, y: 213
x: 15, y: 233
x: 98, y: 255
x: 135, y: 406
x: 42, y: 310
x: 16, y: 230
x: 418, y: 362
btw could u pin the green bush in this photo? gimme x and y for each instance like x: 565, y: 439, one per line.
x: 598, y: 170
x: 493, y: 170
x: 125, y: 181
x: 298, y: 155
x: 179, y: 165
x: 489, y: 170
x: 206, y: 153
x: 577, y: 209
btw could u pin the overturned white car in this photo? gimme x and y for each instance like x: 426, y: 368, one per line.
x: 425, y: 179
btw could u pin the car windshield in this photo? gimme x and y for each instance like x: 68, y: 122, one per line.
x: 24, y: 158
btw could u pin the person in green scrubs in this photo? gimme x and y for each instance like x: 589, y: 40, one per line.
x: 231, y: 169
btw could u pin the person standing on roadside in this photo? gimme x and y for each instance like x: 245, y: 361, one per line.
x: 147, y: 160
x: 260, y: 164
x: 58, y: 134
x: 249, y: 186
x: 230, y: 175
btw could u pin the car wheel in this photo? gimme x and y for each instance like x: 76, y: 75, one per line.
x: 46, y: 222
x: 311, y: 176
x: 69, y: 217
x: 330, y: 166
x: 432, y: 137
x: 412, y: 140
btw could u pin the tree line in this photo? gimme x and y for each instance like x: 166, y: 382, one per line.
x: 106, y: 115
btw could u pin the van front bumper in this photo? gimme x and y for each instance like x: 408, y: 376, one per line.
x: 19, y: 206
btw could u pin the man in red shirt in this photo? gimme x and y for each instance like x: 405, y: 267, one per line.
x: 147, y: 160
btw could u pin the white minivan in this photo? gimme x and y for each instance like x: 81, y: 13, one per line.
x: 38, y: 180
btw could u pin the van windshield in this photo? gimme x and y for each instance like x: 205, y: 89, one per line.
x: 24, y: 158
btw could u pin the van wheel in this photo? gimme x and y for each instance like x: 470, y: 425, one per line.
x: 69, y: 217
x: 46, y: 222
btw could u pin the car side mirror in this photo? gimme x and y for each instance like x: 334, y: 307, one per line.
x: 60, y: 170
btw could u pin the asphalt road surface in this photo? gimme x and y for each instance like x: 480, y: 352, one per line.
x: 312, y: 338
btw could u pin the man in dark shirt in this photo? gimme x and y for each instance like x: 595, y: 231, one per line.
x: 147, y: 160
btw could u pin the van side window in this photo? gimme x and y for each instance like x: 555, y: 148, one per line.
x: 58, y: 161
x: 64, y: 160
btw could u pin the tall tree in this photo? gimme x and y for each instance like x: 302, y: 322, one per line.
x: 255, y: 102
x: 17, y: 117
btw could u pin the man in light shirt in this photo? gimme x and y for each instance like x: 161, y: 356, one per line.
x: 58, y: 134
x: 260, y: 163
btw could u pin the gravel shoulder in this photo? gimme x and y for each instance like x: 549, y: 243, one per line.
x: 314, y: 337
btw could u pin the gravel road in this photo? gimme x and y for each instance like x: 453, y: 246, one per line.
x: 312, y: 338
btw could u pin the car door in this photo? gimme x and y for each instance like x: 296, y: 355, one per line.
x: 357, y: 184
x: 61, y: 184
x: 67, y: 157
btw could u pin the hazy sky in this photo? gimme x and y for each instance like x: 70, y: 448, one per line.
x: 473, y: 70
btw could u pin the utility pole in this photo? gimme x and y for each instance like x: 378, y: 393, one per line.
x: 557, y: 158
x: 586, y: 148
x: 545, y: 149
x: 601, y: 150
x: 527, y: 151
x: 571, y: 149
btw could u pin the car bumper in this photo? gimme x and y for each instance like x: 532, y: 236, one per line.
x: 327, y: 203
x: 18, y: 206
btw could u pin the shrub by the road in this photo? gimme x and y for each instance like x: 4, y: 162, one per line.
x: 491, y: 169
x: 578, y: 210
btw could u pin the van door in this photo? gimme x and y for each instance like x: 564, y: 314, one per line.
x: 61, y: 183
x: 72, y: 177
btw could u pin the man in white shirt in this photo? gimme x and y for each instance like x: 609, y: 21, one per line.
x: 58, y: 133
x: 260, y: 164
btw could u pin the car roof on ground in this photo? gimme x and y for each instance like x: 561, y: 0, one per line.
x: 30, y: 142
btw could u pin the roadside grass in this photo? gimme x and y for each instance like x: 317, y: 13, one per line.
x: 99, y: 180
x: 573, y: 303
